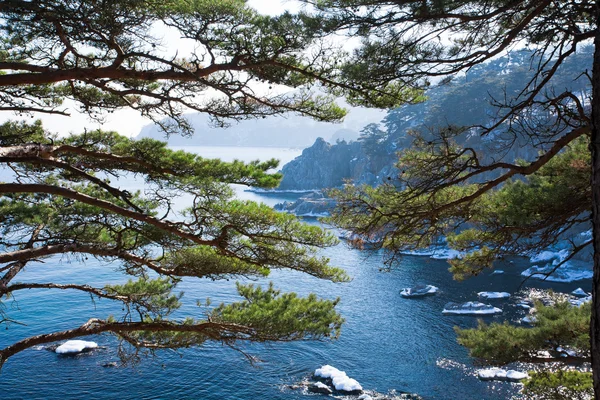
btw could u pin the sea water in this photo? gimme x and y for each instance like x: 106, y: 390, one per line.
x: 388, y: 343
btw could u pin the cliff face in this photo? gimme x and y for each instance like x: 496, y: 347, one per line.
x: 324, y: 165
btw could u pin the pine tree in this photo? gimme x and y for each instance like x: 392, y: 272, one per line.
x: 63, y: 197
x: 487, y: 204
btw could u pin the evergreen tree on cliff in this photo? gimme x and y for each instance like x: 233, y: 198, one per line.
x: 485, y: 204
x: 62, y: 197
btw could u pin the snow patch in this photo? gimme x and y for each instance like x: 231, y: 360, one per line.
x: 569, y: 272
x: 75, y: 346
x: 580, y: 302
x: 419, y: 291
x: 339, y: 379
x: 501, y: 375
x: 446, y: 254
x: 437, y: 253
x: 494, y: 295
x: 566, y: 352
x: 548, y: 255
x: 579, y: 292
x: 572, y: 270
x: 470, y: 308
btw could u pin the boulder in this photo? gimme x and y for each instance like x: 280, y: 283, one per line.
x: 319, y: 387
x: 75, y: 346
x: 579, y: 292
x: 493, y: 295
x: 419, y: 291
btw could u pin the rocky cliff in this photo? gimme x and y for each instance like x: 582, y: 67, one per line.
x: 325, y: 165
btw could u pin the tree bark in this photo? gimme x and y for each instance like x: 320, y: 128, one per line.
x: 595, y: 149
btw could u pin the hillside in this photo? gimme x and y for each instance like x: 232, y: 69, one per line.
x: 455, y: 104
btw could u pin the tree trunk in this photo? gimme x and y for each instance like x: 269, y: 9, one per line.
x: 595, y: 148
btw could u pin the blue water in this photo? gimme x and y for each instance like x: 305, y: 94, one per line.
x: 387, y: 343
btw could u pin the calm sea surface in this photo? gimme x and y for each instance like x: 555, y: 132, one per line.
x: 387, y: 343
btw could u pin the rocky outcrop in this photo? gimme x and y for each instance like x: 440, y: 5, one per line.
x: 312, y: 205
x: 321, y: 166
x: 324, y: 165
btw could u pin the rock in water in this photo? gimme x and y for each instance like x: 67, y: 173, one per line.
x: 470, y: 308
x: 75, y: 346
x: 419, y: 291
x: 340, y: 381
x: 493, y: 295
x: 319, y: 387
x: 498, y: 374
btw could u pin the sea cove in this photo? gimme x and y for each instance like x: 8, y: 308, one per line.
x: 388, y: 343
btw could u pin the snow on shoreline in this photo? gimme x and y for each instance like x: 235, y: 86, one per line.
x: 570, y: 271
x: 437, y: 253
x: 547, y: 260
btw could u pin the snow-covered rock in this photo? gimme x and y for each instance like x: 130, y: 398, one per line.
x: 515, y: 376
x: 524, y: 306
x: 579, y: 292
x: 75, y: 346
x: 344, y: 383
x: 319, y: 387
x: 339, y: 379
x: 327, y: 372
x: 580, y: 302
x: 419, y: 291
x: 446, y: 254
x: 493, y: 295
x: 497, y: 272
x: 488, y: 374
x: 569, y: 271
x: 365, y: 397
x: 566, y: 352
x: 498, y: 374
x: 470, y: 308
x: 530, y: 319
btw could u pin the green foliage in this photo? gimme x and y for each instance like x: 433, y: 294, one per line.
x: 66, y: 198
x: 559, y: 385
x: 520, y: 217
x: 527, y: 214
x: 106, y: 56
x: 154, y: 294
x: 560, y: 325
x: 276, y: 316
